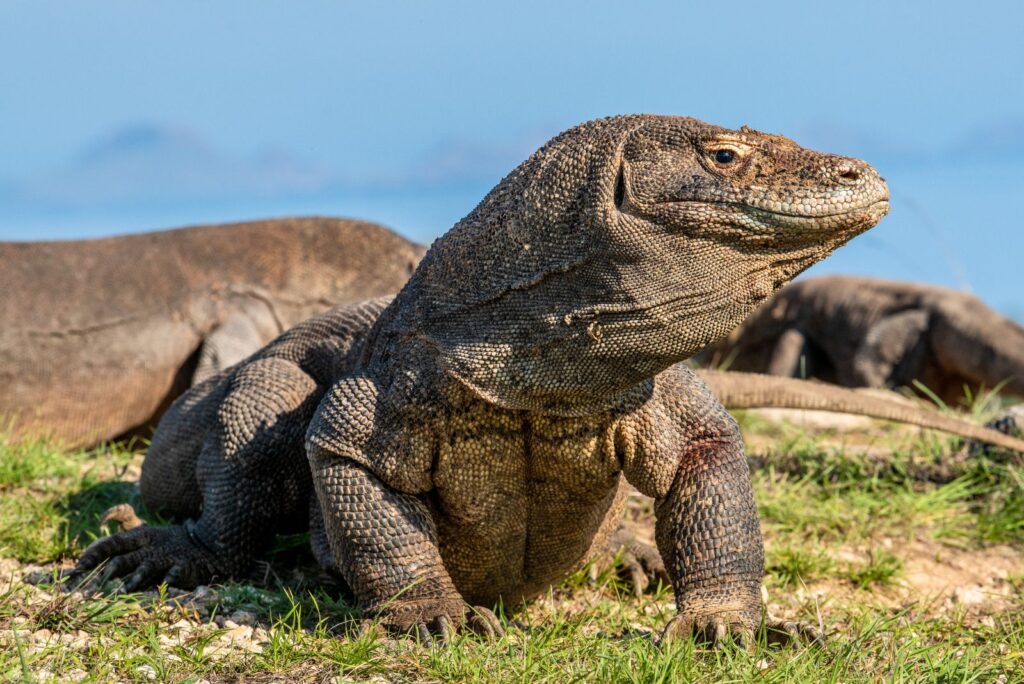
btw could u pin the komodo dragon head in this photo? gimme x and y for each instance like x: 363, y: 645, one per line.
x: 622, y: 246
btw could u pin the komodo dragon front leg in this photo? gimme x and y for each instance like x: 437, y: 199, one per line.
x: 684, y: 450
x: 369, y: 478
x: 250, y: 475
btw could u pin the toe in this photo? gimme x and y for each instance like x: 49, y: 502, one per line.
x: 483, y: 621
x: 632, y: 572
x: 183, y: 575
x: 445, y: 630
x: 784, y: 633
x: 145, y: 576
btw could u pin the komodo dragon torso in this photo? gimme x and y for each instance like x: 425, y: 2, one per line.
x: 471, y: 448
x: 99, y: 336
x: 863, y: 332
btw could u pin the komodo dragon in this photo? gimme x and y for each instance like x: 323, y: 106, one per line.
x: 99, y: 336
x: 471, y: 448
x: 863, y: 332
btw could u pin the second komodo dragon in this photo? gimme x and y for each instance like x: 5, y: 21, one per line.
x: 100, y: 336
x: 867, y: 332
x: 468, y: 442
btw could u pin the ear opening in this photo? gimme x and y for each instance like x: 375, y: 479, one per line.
x: 620, y: 185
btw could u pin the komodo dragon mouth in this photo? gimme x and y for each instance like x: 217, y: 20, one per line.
x: 880, y: 206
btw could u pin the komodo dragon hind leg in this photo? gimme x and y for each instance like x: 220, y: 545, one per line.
x: 897, y: 341
x: 790, y: 355
x: 242, y: 334
x: 254, y: 479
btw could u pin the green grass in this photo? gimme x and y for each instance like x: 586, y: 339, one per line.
x: 50, y: 498
x: 840, y: 517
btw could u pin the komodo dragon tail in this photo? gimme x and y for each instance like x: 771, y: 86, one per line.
x: 751, y: 390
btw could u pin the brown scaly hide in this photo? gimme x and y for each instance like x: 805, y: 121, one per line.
x: 866, y: 332
x: 99, y: 336
x: 473, y: 447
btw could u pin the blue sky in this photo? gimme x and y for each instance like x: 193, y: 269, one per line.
x: 124, y: 116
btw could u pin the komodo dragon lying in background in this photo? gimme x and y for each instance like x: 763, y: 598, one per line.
x: 97, y: 337
x: 863, y: 332
x: 468, y: 442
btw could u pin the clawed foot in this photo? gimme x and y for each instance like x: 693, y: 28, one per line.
x: 437, y: 621
x: 786, y: 632
x: 720, y: 628
x: 640, y: 565
x: 148, y: 556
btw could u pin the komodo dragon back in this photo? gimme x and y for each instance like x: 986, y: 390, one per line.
x: 99, y: 336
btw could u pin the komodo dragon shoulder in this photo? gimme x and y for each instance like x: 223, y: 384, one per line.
x: 475, y: 444
x: 99, y: 336
x: 866, y: 332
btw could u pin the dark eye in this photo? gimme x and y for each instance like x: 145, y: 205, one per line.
x: 725, y: 156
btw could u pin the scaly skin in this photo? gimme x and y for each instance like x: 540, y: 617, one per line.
x: 475, y: 452
x: 749, y: 390
x: 228, y: 459
x: 864, y: 332
x: 100, y: 336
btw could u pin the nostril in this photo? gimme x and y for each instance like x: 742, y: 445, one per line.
x: 849, y: 174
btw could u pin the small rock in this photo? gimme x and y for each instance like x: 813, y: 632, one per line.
x: 146, y: 672
x: 237, y: 633
x: 181, y: 626
x: 243, y: 617
x: 41, y: 635
x: 204, y: 593
x: 969, y: 595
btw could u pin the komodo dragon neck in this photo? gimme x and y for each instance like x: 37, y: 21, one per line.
x: 619, y: 248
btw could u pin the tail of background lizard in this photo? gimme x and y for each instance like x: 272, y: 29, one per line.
x: 749, y: 390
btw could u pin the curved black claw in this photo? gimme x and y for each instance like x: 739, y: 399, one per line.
x: 146, y: 556
x: 439, y: 625
x: 784, y: 632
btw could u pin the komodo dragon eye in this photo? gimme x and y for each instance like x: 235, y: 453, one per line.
x: 725, y: 156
